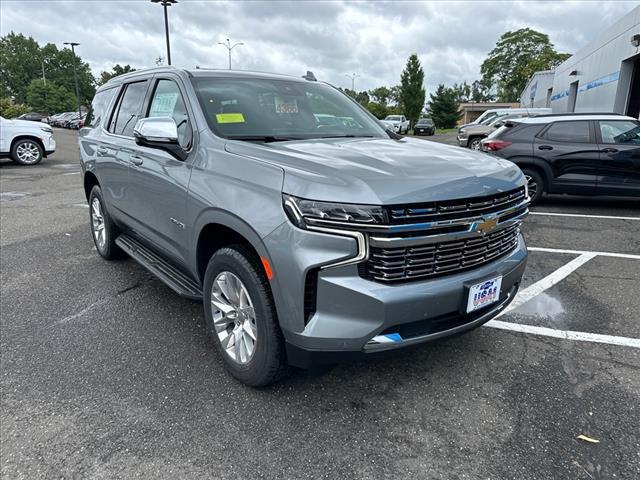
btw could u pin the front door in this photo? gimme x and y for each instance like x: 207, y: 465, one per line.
x: 570, y: 149
x: 619, y: 142
x: 159, y: 181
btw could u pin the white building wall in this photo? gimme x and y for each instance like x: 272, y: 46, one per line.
x: 598, y: 67
x: 534, y: 94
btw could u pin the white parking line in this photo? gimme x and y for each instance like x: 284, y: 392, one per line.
x: 565, y: 334
x: 547, y: 282
x: 609, y: 217
x: 583, y: 252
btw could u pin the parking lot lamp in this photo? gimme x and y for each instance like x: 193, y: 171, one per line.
x: 165, y: 4
x: 353, y: 77
x: 75, y: 73
x: 230, y: 47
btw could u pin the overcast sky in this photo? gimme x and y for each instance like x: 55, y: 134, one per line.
x: 331, y: 38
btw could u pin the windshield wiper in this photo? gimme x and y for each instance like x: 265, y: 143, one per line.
x: 261, y: 138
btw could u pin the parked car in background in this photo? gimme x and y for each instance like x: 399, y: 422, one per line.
x: 61, y: 119
x: 585, y: 154
x: 399, y: 123
x: 308, y: 241
x: 32, y: 117
x: 471, y: 135
x: 25, y: 142
x: 424, y: 126
x: 76, y: 123
x: 489, y: 114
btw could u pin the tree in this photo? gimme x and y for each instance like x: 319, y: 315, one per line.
x: 516, y: 56
x: 443, y: 107
x: 462, y: 91
x: 481, y: 92
x: 8, y: 109
x: 22, y: 60
x: 412, y: 94
x: 361, y: 97
x: 381, y: 95
x: 115, y: 71
x: 49, y: 97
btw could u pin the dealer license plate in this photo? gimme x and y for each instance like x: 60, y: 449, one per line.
x: 483, y: 294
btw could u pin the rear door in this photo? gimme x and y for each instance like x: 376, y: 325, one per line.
x: 160, y: 181
x: 570, y: 149
x: 114, y: 154
x: 619, y: 144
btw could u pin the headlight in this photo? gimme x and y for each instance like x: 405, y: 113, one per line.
x: 305, y: 213
x: 461, y: 131
x: 46, y: 129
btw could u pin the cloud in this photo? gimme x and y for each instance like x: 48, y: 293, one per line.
x: 331, y: 38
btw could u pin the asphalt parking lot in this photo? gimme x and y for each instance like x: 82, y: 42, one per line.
x: 106, y: 373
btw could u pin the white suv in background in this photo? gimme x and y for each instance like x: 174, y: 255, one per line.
x: 25, y: 142
x: 398, y: 123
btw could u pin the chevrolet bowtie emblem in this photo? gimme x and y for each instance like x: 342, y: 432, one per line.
x: 486, y: 225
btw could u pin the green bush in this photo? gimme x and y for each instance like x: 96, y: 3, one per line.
x: 8, y: 109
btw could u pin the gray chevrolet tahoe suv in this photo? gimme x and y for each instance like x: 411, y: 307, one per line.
x: 307, y: 241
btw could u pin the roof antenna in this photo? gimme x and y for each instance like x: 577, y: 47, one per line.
x: 310, y: 76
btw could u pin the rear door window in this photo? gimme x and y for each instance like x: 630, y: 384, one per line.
x: 570, y: 132
x: 620, y: 132
x: 129, y: 109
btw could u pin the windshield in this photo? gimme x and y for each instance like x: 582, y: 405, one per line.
x: 423, y: 121
x: 394, y: 118
x: 272, y: 110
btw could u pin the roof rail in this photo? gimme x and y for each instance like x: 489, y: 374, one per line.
x: 576, y: 114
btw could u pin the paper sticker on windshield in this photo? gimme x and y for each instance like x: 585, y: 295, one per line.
x: 163, y: 104
x: 229, y: 118
x: 286, y: 106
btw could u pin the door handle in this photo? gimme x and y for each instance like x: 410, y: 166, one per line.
x: 135, y: 159
x: 545, y: 147
x: 609, y: 150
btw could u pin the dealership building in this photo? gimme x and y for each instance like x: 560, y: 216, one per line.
x: 604, y: 76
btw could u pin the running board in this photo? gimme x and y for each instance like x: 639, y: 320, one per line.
x: 177, y: 281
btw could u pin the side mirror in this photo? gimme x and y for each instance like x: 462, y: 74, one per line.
x: 160, y: 133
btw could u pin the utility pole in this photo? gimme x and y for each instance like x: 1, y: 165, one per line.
x: 229, y: 47
x: 75, y: 74
x: 165, y: 4
x: 353, y: 77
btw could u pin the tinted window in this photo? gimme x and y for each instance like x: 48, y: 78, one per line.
x: 168, y: 102
x: 620, y: 132
x: 129, y: 107
x: 576, y: 132
x: 98, y: 109
x: 522, y: 132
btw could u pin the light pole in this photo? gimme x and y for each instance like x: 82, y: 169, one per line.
x: 75, y: 74
x: 353, y: 77
x: 165, y: 4
x: 230, y: 47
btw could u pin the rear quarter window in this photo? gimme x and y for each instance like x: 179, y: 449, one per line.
x: 522, y: 133
x: 99, y: 105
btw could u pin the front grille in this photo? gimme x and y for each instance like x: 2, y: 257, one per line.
x: 399, y: 264
x: 455, y: 209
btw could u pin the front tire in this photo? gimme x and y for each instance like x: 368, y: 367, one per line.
x: 27, y: 152
x: 241, y: 317
x: 474, y: 144
x: 103, y: 230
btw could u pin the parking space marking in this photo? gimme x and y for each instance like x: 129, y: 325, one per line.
x: 608, y: 217
x: 565, y: 334
x: 547, y: 282
x: 583, y: 252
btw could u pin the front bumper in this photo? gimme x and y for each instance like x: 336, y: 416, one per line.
x: 350, y: 310
x: 462, y: 141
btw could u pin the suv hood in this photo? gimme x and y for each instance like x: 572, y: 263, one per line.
x: 24, y: 124
x: 382, y: 171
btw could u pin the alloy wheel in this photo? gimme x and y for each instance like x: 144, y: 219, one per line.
x: 234, y: 317
x: 97, y: 223
x: 28, y: 152
x: 532, y: 186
